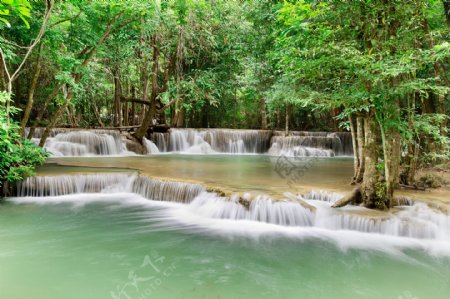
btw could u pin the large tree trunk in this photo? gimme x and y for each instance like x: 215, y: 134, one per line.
x: 146, y: 118
x: 29, y: 106
x: 390, y: 137
x: 371, y: 176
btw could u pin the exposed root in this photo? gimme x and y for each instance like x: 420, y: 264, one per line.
x: 354, y: 198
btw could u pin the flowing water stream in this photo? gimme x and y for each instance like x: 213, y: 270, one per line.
x: 74, y: 142
x: 215, y: 226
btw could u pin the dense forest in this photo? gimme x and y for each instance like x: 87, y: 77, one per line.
x: 376, y: 68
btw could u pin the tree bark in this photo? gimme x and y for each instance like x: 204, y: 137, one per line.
x: 117, y: 97
x: 97, y: 115
x: 263, y: 114
x: 41, y: 112
x: 371, y: 177
x: 447, y: 11
x: 133, y: 107
x: 361, y: 136
x: 29, y: 106
x: 124, y: 99
x: 356, y: 162
x: 125, y: 111
x: 287, y: 120
x: 55, y: 119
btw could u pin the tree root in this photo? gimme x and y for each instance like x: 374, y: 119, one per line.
x: 354, y: 198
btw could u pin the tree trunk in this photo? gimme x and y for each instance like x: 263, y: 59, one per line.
x: 125, y: 111
x: 263, y: 114
x: 371, y: 177
x: 180, y: 118
x: 117, y: 95
x: 29, y: 106
x: 361, y: 136
x: 356, y: 162
x: 287, y: 120
x: 133, y: 107
x: 97, y: 115
x: 447, y: 11
x: 42, y: 110
x: 55, y: 119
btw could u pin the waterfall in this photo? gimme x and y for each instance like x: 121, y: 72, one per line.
x: 43, y: 186
x: 261, y: 209
x: 297, y: 144
x: 150, y: 146
x: 311, y: 210
x: 206, y: 141
x: 68, y: 142
x: 318, y: 144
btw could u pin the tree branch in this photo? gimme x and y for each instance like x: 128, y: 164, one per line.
x: 50, y: 4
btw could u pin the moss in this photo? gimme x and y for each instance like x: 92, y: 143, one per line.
x: 244, y: 202
x: 381, y: 201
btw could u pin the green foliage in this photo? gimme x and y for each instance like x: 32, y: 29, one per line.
x: 18, y: 156
x: 381, y: 201
x: 19, y: 8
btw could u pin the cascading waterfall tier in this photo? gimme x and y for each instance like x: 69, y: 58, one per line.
x: 69, y: 142
x: 318, y: 144
x: 309, y: 210
x: 43, y: 186
x: 74, y: 142
x: 205, y: 141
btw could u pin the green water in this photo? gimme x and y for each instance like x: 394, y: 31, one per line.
x: 237, y: 172
x: 84, y: 249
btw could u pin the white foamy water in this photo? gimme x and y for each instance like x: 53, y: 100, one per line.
x: 67, y: 142
x: 189, y: 206
x: 64, y: 142
x: 210, y: 141
x: 150, y: 147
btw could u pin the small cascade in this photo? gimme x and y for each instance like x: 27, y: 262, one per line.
x: 68, y: 142
x: 261, y: 209
x: 43, y: 186
x: 305, y: 144
x: 206, y: 141
x: 150, y: 147
x: 161, y: 140
x: 321, y: 195
x: 311, y: 210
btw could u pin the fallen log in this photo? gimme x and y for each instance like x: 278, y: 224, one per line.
x: 134, y: 100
